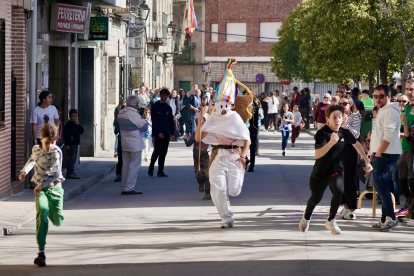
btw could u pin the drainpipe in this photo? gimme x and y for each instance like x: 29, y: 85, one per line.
x: 32, y: 102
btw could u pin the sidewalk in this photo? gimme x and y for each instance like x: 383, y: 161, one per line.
x: 19, y: 209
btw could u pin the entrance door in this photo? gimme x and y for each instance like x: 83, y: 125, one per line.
x: 86, y: 101
x: 186, y: 85
x: 58, y: 65
x: 13, y: 129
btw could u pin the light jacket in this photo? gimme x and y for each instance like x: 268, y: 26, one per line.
x: 387, y: 127
x: 131, y: 126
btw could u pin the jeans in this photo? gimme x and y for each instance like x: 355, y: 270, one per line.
x: 382, y: 173
x: 187, y: 126
x: 396, y: 190
x: 72, y: 153
x: 116, y: 141
x: 285, y: 138
x: 147, y: 149
x: 193, y: 124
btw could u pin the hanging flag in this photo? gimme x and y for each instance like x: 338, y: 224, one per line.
x: 189, y: 22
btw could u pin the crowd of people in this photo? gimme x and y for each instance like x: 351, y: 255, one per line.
x: 204, y: 119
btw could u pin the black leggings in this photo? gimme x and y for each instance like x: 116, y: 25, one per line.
x: 160, y: 152
x: 349, y: 162
x: 318, y: 187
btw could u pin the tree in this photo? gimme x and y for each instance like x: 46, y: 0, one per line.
x: 400, y: 12
x: 288, y: 63
x: 340, y: 40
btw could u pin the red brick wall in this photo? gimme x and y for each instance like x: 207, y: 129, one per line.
x: 239, y: 11
x: 16, y: 61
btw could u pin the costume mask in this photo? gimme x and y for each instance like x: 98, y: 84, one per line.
x: 222, y: 108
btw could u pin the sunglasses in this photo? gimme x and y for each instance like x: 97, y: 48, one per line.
x: 402, y: 101
x: 325, y: 98
x: 382, y: 96
x: 344, y: 104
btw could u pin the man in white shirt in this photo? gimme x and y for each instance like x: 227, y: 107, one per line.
x: 386, y: 147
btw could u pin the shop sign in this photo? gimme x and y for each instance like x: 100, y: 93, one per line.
x: 98, y: 28
x: 68, y: 18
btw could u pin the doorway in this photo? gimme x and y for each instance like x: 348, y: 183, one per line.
x: 87, y: 101
x: 58, y: 68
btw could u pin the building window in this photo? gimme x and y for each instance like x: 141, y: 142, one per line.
x: 268, y: 31
x: 214, y: 32
x: 2, y: 70
x: 236, y: 32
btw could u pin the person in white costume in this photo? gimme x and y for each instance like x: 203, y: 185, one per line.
x: 227, y: 132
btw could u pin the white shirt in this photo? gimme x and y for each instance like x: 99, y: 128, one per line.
x: 40, y: 114
x: 273, y: 107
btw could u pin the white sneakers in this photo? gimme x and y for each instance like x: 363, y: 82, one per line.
x: 304, y: 224
x: 227, y: 224
x: 333, y: 227
x: 346, y: 214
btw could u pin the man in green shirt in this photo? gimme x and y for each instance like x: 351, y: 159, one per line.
x: 405, y: 163
x: 365, y: 99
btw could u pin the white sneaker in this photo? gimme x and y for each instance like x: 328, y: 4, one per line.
x: 333, y: 227
x: 304, y: 224
x: 349, y: 216
x: 227, y: 224
x: 410, y: 223
x: 343, y: 212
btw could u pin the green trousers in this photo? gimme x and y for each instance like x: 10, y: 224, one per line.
x: 49, y: 204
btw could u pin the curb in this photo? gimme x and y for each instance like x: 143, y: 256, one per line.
x: 308, y: 131
x: 70, y: 193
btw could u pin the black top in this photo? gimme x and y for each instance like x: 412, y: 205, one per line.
x: 330, y: 163
x: 265, y: 105
x: 162, y: 120
x: 254, y: 121
x: 71, y: 133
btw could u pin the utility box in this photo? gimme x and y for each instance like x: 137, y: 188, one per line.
x: 29, y: 5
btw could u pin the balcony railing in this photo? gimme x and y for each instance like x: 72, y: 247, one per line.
x: 187, y: 56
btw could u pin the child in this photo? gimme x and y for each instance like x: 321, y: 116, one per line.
x: 47, y: 161
x: 71, y: 136
x: 286, y: 125
x: 147, y: 135
x: 202, y: 175
x: 328, y: 171
x: 297, y: 118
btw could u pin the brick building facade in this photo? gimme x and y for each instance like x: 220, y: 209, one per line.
x: 12, y: 94
x: 254, y: 24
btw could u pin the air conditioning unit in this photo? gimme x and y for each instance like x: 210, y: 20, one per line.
x: 29, y: 5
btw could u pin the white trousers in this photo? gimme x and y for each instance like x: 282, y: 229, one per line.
x: 147, y: 150
x: 226, y: 178
x: 131, y: 164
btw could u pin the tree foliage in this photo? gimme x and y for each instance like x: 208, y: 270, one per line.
x: 336, y: 40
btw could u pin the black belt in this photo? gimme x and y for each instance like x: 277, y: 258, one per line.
x: 225, y: 147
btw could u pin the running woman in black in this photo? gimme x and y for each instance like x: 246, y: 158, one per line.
x: 328, y: 171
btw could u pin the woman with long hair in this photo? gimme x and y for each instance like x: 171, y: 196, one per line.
x: 287, y: 119
x: 184, y: 111
x: 352, y: 122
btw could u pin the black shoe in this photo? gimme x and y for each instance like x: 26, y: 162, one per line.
x: 161, y: 174
x: 118, y: 178
x: 132, y: 192
x: 283, y: 153
x: 251, y: 169
x: 72, y: 176
x: 41, y: 259
x: 150, y: 171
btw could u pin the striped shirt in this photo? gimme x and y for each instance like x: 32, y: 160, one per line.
x: 354, y: 124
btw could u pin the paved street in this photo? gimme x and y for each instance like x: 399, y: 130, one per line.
x: 169, y: 230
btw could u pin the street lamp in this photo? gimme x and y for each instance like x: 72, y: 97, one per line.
x: 145, y: 8
x: 172, y: 26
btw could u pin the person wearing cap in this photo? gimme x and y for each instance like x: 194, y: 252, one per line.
x: 44, y: 112
x: 365, y: 99
x: 162, y: 132
x: 320, y: 117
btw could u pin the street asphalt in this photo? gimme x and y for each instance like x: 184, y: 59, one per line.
x: 170, y: 230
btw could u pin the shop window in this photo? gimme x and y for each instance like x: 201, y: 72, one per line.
x: 2, y: 70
